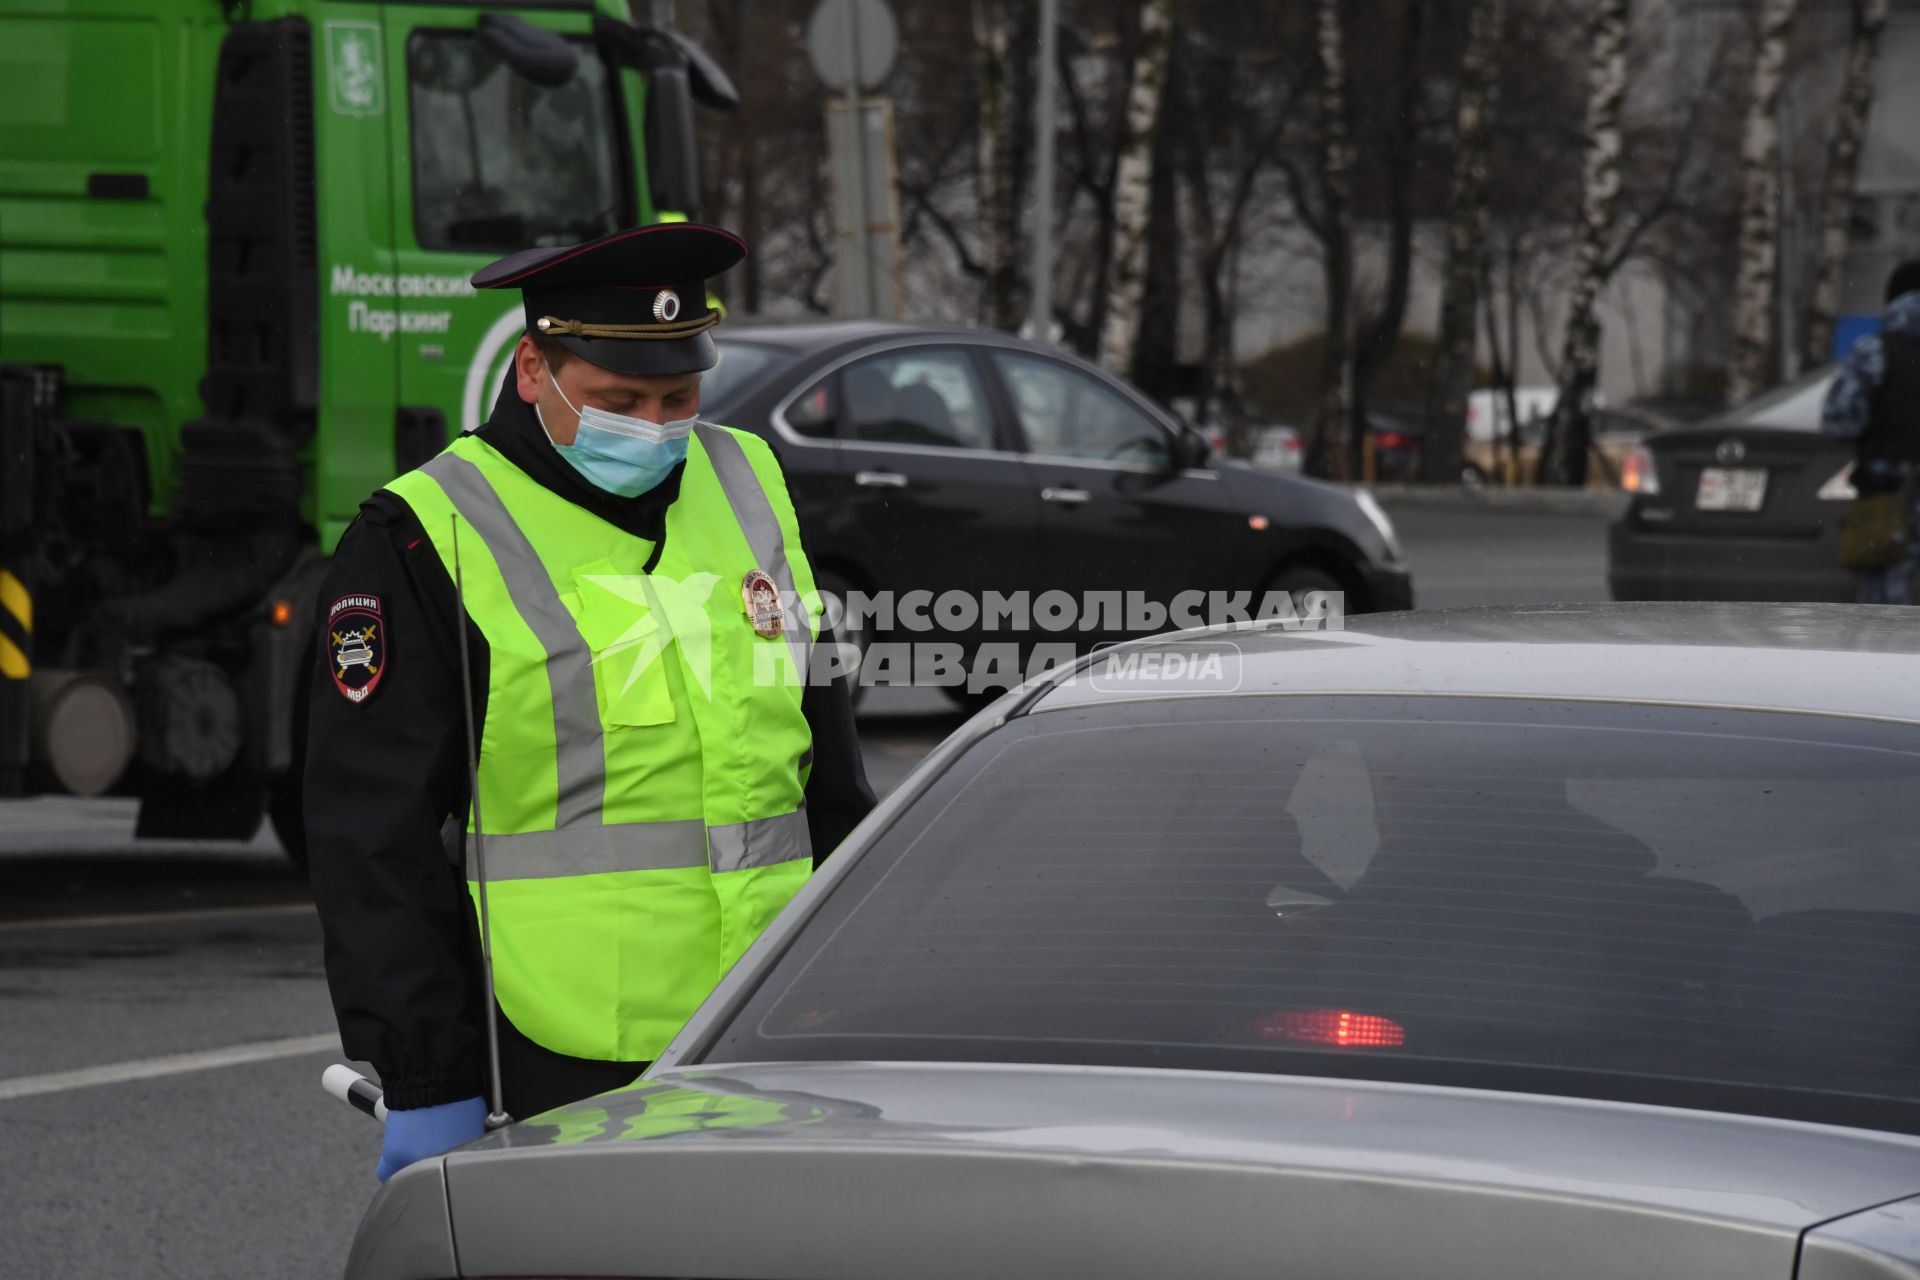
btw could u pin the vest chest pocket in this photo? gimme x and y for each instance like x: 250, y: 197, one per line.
x: 620, y: 619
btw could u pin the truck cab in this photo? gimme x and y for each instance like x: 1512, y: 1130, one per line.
x: 235, y: 242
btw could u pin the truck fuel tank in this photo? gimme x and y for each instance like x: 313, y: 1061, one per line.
x: 84, y: 730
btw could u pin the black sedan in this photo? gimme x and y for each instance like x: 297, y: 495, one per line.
x: 1745, y: 507
x: 925, y: 460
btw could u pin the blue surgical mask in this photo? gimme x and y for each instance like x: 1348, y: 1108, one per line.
x: 624, y: 456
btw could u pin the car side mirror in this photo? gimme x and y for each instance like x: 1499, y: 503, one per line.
x: 537, y: 55
x: 1190, y: 449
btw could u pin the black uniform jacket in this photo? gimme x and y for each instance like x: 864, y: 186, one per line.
x: 386, y: 793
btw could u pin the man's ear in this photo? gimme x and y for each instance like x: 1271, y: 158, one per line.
x: 529, y: 371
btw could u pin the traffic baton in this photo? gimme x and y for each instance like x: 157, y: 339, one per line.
x: 354, y: 1089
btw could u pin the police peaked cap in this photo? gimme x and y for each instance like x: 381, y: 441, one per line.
x: 633, y: 302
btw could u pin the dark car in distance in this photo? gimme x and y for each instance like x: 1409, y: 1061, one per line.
x: 928, y: 459
x: 1744, y: 507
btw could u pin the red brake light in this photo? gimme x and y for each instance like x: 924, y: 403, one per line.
x: 1391, y: 440
x: 1637, y: 473
x: 1340, y: 1028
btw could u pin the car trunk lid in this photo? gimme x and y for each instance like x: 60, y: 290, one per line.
x: 1796, y: 466
x: 934, y: 1170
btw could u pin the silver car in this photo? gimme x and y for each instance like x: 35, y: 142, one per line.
x: 1579, y: 941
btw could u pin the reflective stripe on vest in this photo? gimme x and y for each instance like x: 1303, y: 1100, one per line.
x: 764, y: 842
x: 646, y: 846
x: 762, y: 528
x: 580, y: 755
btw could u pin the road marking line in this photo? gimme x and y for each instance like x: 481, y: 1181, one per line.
x: 157, y: 917
x: 171, y: 1064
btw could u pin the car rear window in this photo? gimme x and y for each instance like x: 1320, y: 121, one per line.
x: 1795, y: 406
x: 1695, y: 907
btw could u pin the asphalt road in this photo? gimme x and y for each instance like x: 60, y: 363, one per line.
x: 164, y: 1020
x: 1463, y: 558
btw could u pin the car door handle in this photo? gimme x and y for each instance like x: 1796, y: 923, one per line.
x: 880, y: 479
x: 1070, y: 497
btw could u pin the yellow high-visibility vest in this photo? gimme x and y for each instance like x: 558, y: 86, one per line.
x: 643, y: 759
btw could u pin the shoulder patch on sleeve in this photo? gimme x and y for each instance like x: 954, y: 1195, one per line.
x: 356, y: 646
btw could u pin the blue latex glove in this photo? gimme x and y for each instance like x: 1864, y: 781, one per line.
x: 419, y: 1132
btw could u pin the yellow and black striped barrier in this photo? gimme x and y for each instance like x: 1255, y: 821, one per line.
x: 16, y: 627
x: 16, y: 665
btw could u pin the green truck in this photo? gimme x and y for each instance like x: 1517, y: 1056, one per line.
x: 235, y: 237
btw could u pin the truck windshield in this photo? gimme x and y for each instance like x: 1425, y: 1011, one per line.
x: 501, y: 163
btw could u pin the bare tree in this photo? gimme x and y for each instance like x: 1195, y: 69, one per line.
x: 1334, y: 439
x: 1132, y: 187
x: 1235, y: 109
x: 1843, y: 163
x: 1440, y: 458
x: 761, y: 164
x: 1755, y: 285
x: 1564, y: 460
x: 1379, y: 335
x: 1003, y: 127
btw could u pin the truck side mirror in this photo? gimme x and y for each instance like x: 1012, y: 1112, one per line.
x: 679, y: 73
x: 711, y: 86
x: 540, y: 56
x: 672, y: 162
x: 651, y: 48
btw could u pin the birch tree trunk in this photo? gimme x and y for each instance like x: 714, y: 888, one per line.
x: 998, y: 178
x: 1564, y: 461
x: 1757, y: 279
x: 1132, y: 187
x: 1843, y: 164
x: 1440, y: 460
x: 1336, y: 443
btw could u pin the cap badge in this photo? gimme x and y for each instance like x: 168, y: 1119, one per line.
x: 762, y: 599
x: 666, y: 307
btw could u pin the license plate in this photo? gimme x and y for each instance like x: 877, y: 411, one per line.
x: 1731, y: 489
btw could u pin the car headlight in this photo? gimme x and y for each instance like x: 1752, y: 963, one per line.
x: 1638, y: 474
x: 1840, y: 488
x: 1380, y: 521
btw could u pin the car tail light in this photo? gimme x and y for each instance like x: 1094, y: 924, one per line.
x: 1638, y: 474
x: 1391, y: 440
x: 1341, y: 1028
x: 1840, y: 488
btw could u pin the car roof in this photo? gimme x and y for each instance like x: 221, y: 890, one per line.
x: 812, y: 333
x: 1858, y: 661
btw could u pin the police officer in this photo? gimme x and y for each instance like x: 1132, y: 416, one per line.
x: 1875, y: 402
x: 654, y: 775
